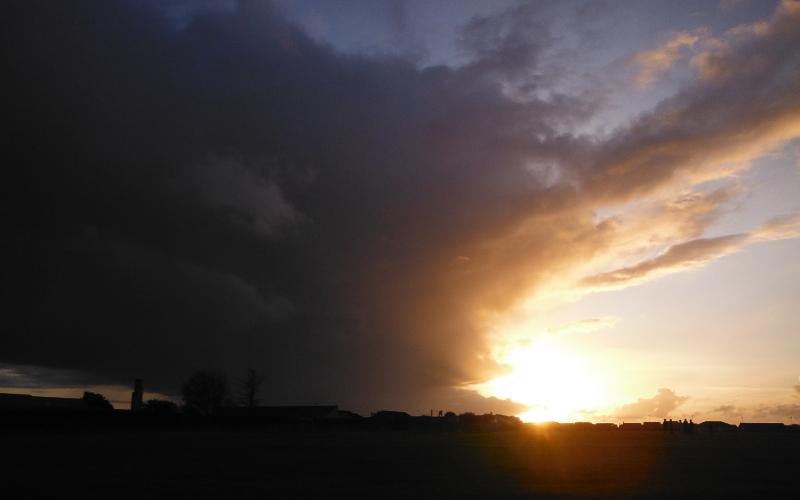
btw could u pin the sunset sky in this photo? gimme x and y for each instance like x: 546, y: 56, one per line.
x: 565, y: 210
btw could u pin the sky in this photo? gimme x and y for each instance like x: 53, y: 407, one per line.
x: 573, y: 210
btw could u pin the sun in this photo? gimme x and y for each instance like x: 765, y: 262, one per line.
x: 555, y: 383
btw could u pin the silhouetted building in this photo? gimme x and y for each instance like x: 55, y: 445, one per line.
x: 716, y: 427
x: 606, y: 426
x: 303, y: 412
x: 759, y: 427
x: 29, y: 401
x: 390, y: 415
x: 386, y: 420
x: 349, y: 414
x: 631, y: 426
x: 136, y: 396
x: 505, y: 420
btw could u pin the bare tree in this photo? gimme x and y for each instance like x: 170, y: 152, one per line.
x: 249, y: 387
x: 206, y: 392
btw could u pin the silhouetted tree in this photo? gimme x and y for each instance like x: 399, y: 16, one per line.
x: 249, y: 387
x: 206, y: 392
x: 160, y: 406
x: 467, y: 420
x: 94, y: 401
x: 449, y: 422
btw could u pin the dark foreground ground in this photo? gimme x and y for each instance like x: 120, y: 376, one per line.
x: 380, y: 465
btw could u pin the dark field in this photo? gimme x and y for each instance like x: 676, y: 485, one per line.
x: 362, y: 464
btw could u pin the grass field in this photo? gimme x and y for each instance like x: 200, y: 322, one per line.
x: 228, y: 464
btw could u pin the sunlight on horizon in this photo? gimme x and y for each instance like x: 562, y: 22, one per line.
x: 555, y: 383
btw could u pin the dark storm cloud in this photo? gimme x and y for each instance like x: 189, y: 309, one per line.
x: 197, y: 185
x: 201, y: 186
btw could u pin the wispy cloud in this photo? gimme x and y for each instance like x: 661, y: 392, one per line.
x: 676, y: 258
x: 586, y: 325
x: 690, y: 254
x: 654, y: 62
x: 729, y: 411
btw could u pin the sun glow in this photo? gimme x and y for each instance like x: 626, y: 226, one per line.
x: 556, y: 384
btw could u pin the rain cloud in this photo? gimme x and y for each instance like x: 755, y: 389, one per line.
x: 208, y: 186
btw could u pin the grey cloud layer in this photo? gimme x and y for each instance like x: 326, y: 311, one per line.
x: 214, y: 189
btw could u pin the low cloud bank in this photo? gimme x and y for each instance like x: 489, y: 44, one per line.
x: 659, y: 406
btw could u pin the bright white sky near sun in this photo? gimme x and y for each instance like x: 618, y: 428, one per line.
x: 717, y: 341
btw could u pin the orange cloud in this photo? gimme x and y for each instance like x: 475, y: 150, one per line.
x: 656, y: 61
x: 690, y: 254
x: 677, y: 257
x: 659, y: 406
x: 709, y: 130
x: 750, y: 50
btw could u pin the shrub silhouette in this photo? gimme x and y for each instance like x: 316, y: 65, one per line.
x: 94, y: 401
x: 160, y: 406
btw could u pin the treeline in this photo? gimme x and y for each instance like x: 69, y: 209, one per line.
x: 209, y: 393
